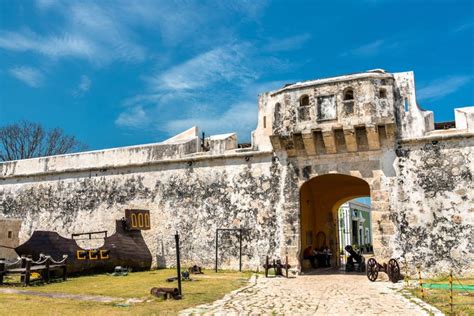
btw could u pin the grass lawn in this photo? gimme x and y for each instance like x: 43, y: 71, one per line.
x: 463, y: 300
x: 206, y: 288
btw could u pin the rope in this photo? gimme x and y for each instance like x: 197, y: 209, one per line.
x: 41, y: 261
x: 12, y: 263
x: 59, y: 261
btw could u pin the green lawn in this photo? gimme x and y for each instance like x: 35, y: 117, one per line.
x: 463, y: 300
x: 206, y: 288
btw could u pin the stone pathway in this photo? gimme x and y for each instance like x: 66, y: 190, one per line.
x: 323, y: 294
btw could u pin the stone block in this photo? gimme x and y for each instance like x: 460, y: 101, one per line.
x: 351, y: 140
x: 329, y: 142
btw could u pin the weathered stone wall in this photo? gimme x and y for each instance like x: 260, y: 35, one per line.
x: 432, y: 204
x: 420, y: 179
x: 193, y: 199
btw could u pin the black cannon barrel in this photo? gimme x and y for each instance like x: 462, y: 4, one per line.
x: 355, y: 255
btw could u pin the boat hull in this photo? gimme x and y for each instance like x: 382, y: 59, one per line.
x: 125, y: 248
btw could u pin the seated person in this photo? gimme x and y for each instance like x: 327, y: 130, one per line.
x: 308, y: 254
x: 327, y: 256
x: 318, y: 253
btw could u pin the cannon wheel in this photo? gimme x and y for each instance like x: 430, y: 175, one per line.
x: 372, y: 269
x: 393, y: 271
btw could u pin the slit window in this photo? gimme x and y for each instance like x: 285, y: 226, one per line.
x: 264, y: 122
x: 382, y: 94
x: 276, y: 114
x: 349, y: 95
x: 10, y: 234
x: 304, y: 100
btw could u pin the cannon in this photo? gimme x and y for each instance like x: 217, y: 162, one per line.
x: 278, y: 266
x: 355, y: 262
x: 184, y: 277
x: 195, y: 270
x: 166, y: 292
x: 392, y: 269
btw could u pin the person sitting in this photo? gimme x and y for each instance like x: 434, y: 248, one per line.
x: 318, y: 253
x: 327, y: 256
x: 308, y: 254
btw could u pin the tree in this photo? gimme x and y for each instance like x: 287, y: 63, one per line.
x: 25, y: 140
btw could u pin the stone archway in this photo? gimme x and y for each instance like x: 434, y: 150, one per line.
x: 320, y: 199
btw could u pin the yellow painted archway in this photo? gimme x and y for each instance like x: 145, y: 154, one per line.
x: 320, y: 199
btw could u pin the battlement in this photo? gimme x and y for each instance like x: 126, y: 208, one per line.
x: 350, y: 113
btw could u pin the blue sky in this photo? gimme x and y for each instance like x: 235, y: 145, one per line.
x: 118, y: 73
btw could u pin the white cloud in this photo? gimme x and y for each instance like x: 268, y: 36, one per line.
x: 134, y: 117
x: 102, y: 32
x: 373, y: 48
x: 369, y: 49
x: 287, y: 44
x: 53, y: 46
x: 83, y: 86
x: 215, y: 90
x: 219, y: 64
x: 463, y: 27
x: 442, y: 87
x: 212, y: 111
x: 90, y: 31
x: 31, y: 76
x: 177, y: 22
x: 45, y: 4
x: 107, y: 29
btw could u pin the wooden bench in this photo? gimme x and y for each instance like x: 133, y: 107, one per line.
x: 44, y: 266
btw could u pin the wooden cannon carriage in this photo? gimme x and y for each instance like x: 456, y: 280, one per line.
x: 392, y: 269
x: 355, y: 261
x: 278, y: 266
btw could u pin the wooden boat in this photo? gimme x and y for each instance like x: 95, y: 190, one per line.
x: 126, y: 247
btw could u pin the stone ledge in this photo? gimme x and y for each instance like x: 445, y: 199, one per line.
x: 190, y: 158
x: 428, y: 138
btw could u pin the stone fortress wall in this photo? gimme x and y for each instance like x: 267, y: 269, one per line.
x: 365, y: 125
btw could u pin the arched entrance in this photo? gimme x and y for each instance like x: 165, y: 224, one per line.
x: 320, y: 199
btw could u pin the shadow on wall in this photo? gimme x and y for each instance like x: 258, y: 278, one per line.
x: 160, y: 255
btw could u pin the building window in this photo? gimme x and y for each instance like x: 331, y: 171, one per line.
x: 304, y: 100
x: 303, y: 111
x: 277, y: 112
x: 348, y: 101
x: 264, y: 122
x: 10, y: 234
x: 326, y: 107
x: 382, y: 94
x: 349, y: 95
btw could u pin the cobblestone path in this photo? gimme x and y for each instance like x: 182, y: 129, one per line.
x: 327, y: 294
